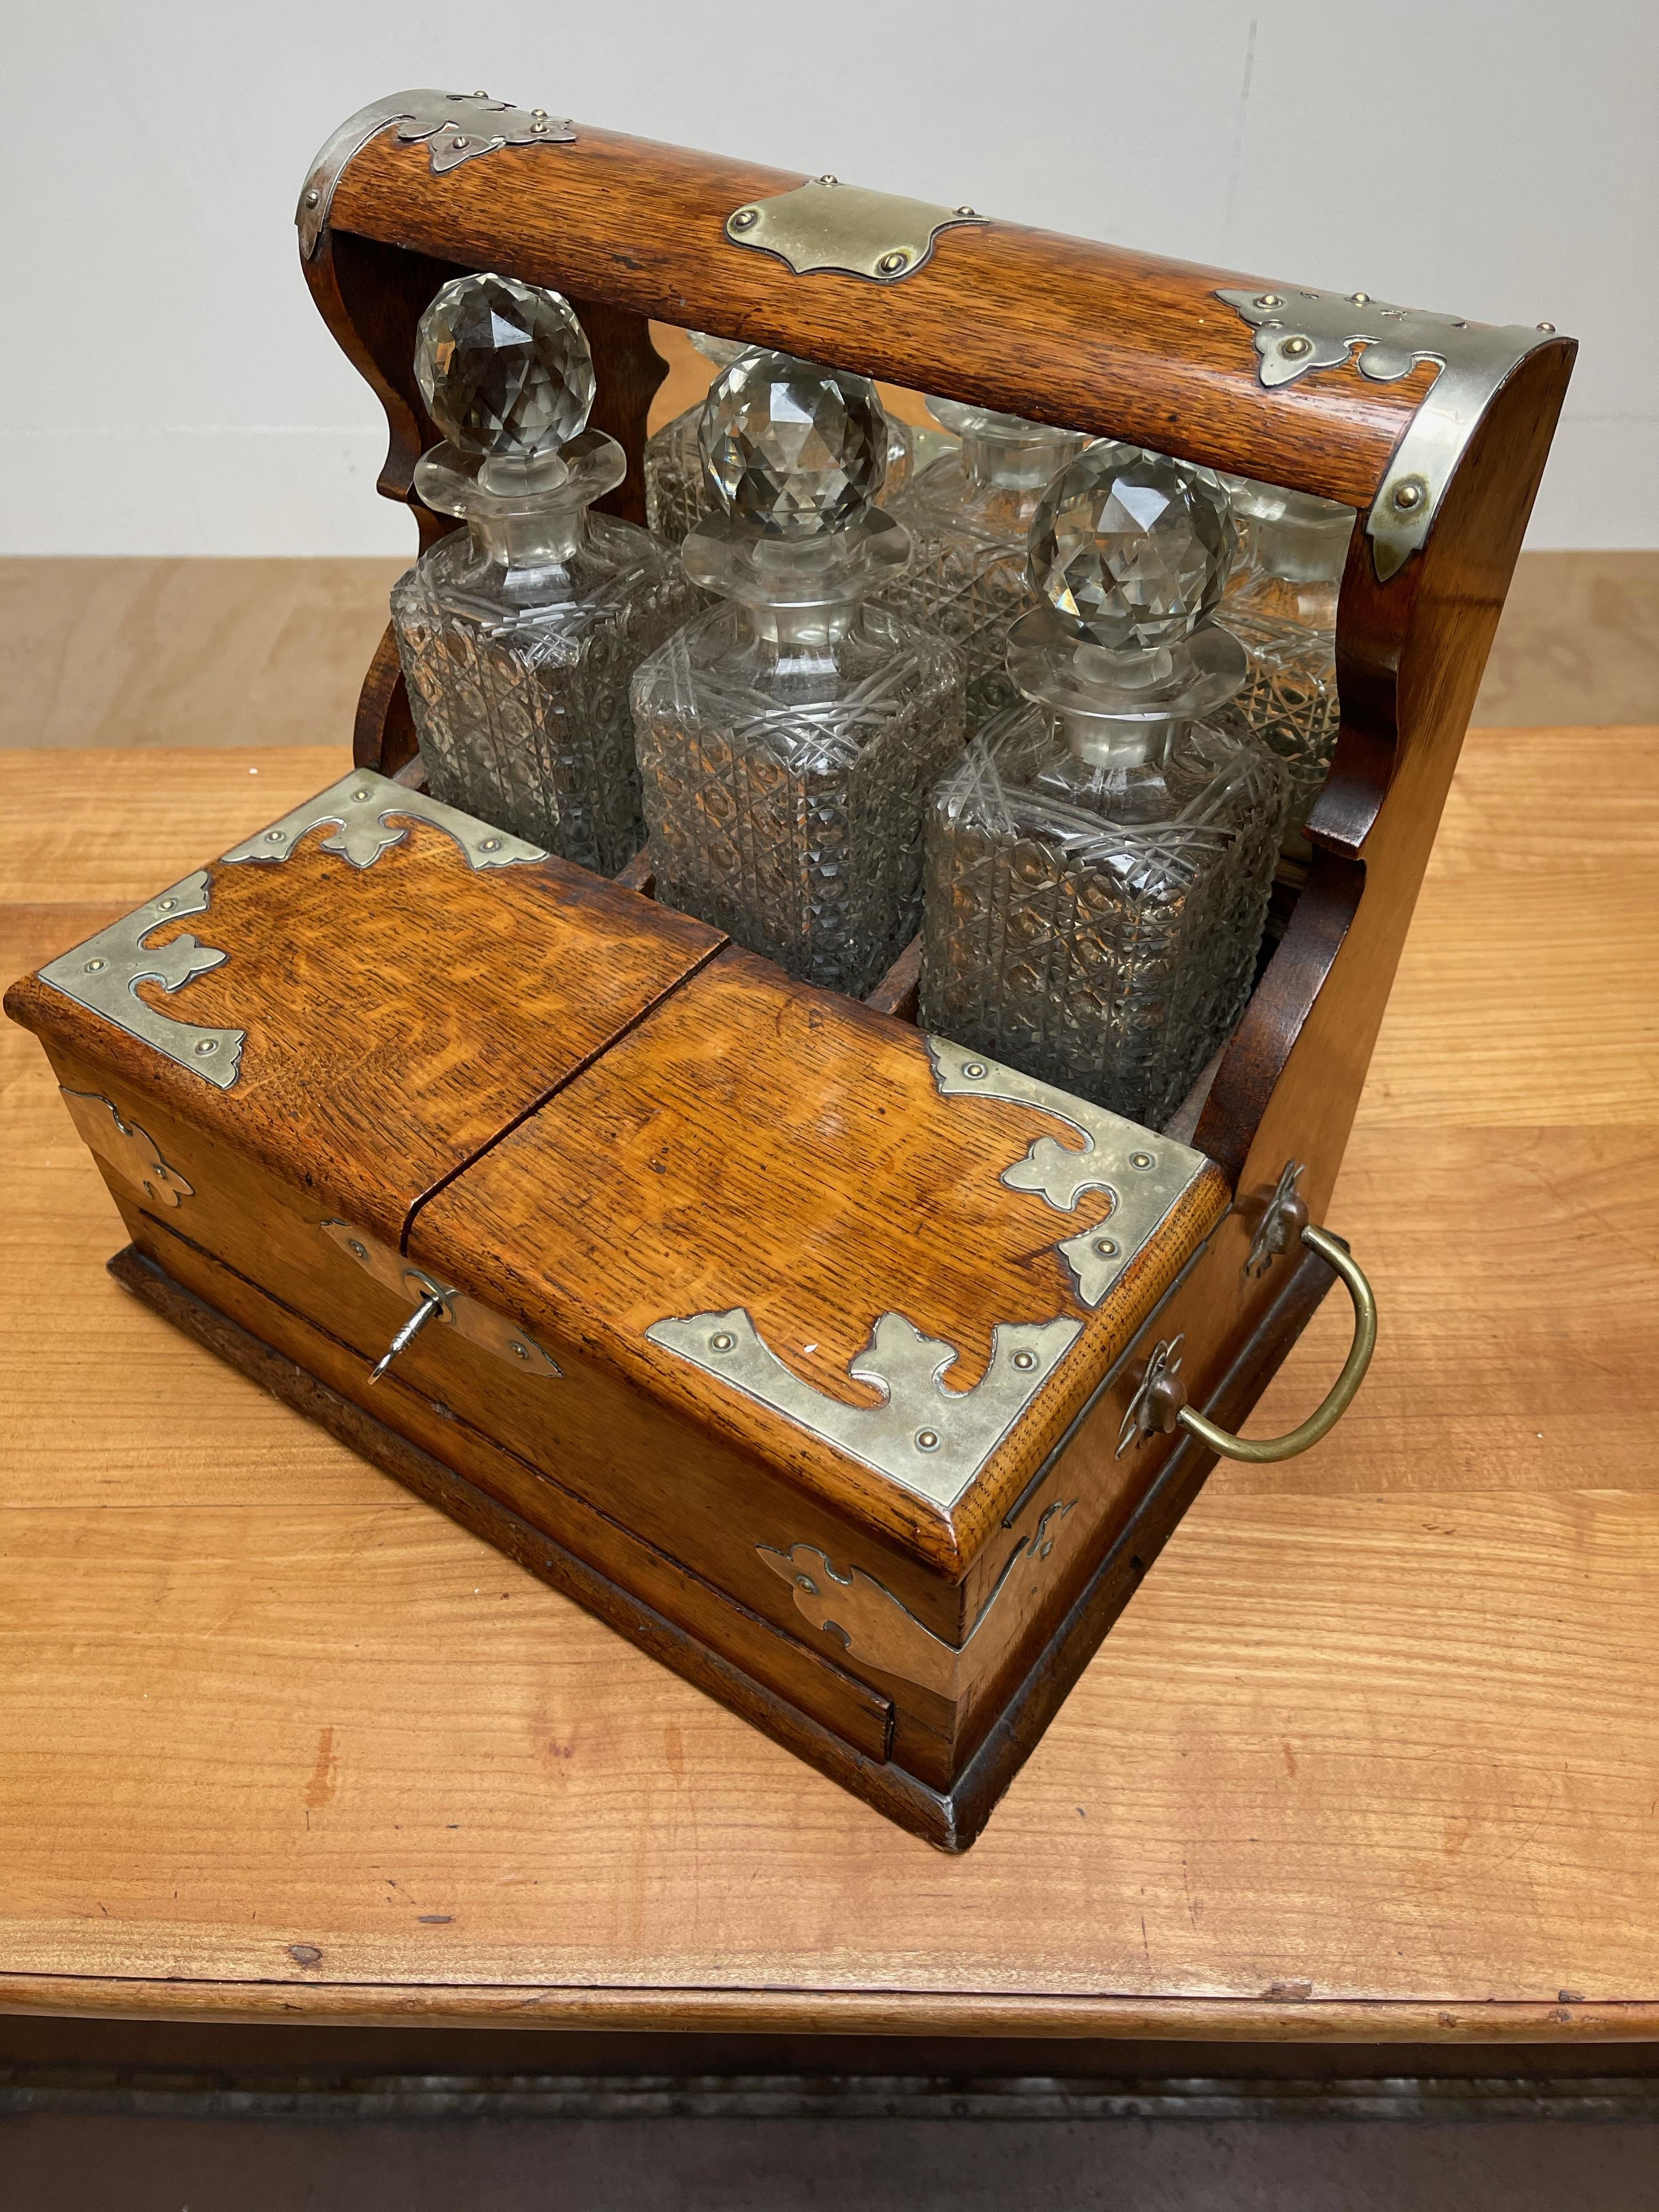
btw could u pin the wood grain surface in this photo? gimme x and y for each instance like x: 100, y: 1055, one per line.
x: 1061, y: 330
x: 1374, y: 1752
x: 444, y: 1001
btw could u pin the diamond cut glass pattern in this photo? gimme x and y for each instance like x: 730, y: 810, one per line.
x: 504, y: 368
x: 521, y: 709
x: 1110, y: 958
x: 792, y: 448
x: 1131, y: 550
x: 785, y: 796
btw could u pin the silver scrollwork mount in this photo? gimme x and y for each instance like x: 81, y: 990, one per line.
x: 454, y: 126
x: 1300, y: 333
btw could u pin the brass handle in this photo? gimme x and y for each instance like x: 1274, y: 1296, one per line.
x: 1326, y: 1417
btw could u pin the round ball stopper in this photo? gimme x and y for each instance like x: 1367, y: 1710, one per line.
x: 793, y: 448
x: 504, y: 366
x: 1129, y: 548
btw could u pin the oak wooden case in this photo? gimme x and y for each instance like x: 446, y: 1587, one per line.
x: 584, y: 1123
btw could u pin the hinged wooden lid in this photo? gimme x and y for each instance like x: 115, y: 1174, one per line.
x: 365, y: 995
x: 892, y: 1272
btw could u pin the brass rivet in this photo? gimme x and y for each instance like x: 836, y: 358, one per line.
x: 360, y: 1250
x: 538, y: 126
x: 1107, y: 1247
x: 489, y: 844
x: 927, y: 1440
x: 806, y: 1582
x: 481, y: 95
x: 965, y: 209
x: 166, y: 906
x: 891, y: 263
x: 826, y: 178
x: 722, y: 1340
x: 361, y: 795
x: 1360, y: 299
x: 1140, y: 1160
x: 1270, y: 299
x: 93, y: 966
x: 518, y: 1352
x: 457, y: 142
x: 540, y: 114
x: 1409, y: 494
x: 206, y: 1045
x: 275, y: 836
x: 1294, y: 348
x: 313, y: 197
x: 1025, y: 1361
x: 745, y: 219
x: 1546, y: 326
x: 974, y: 1069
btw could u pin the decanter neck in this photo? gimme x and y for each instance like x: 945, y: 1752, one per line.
x: 802, y: 594
x: 526, y: 543
x: 1123, y: 704
x: 1101, y: 742
x: 1303, y: 548
x: 1022, y: 460
x: 527, y: 516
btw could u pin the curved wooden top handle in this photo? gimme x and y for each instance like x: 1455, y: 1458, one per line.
x: 1057, y: 329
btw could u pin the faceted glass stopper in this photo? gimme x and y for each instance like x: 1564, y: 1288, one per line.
x: 504, y: 366
x: 792, y: 448
x: 1130, y: 549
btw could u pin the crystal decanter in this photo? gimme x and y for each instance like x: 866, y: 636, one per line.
x: 789, y: 738
x: 520, y: 634
x: 1281, y: 606
x: 676, y: 493
x: 970, y: 516
x: 1097, y: 870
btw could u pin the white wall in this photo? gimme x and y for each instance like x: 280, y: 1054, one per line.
x: 169, y: 388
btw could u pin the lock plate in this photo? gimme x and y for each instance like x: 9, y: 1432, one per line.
x: 491, y: 1332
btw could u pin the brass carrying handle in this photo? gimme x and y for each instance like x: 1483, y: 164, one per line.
x: 1324, y: 1418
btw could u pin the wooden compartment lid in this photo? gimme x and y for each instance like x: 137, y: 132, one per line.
x: 364, y: 995
x: 892, y: 1272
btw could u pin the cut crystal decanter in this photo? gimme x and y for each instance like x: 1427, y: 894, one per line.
x: 676, y: 493
x: 789, y: 738
x: 1281, y: 606
x: 518, y: 635
x: 970, y: 516
x: 1097, y: 870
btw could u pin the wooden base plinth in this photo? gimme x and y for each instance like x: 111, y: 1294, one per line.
x: 950, y: 1820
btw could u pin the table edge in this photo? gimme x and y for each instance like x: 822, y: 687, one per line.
x: 837, y: 2012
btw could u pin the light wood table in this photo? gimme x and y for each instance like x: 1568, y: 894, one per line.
x: 1374, y: 1755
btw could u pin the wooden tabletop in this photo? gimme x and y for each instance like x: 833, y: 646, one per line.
x: 1373, y: 1753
